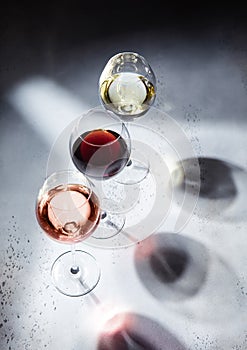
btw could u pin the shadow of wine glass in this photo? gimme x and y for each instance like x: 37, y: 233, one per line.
x: 131, y: 331
x: 171, y: 267
x: 190, y: 279
x: 222, y: 187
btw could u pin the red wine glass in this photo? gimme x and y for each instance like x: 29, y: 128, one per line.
x: 68, y: 211
x: 100, y: 149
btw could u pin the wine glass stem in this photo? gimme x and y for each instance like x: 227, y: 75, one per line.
x: 103, y: 215
x: 129, y: 161
x: 74, y: 268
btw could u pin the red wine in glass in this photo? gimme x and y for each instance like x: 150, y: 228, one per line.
x: 100, y: 148
x: 100, y: 153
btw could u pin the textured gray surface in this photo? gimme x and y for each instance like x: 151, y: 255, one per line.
x: 47, y: 80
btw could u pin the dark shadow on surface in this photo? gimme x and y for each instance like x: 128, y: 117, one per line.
x: 171, y: 267
x: 222, y: 186
x: 169, y: 264
x: 130, y: 331
x: 215, y: 182
x: 187, y: 272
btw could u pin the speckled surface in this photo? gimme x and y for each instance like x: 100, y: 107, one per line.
x: 190, y: 290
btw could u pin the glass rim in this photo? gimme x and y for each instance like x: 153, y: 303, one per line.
x: 114, y: 57
x: 127, y: 53
x: 99, y: 145
x: 116, y: 121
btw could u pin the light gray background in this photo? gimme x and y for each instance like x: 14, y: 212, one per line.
x: 51, y: 59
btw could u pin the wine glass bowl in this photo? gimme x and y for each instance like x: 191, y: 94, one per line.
x: 127, y: 85
x: 68, y: 211
x: 100, y: 148
x: 100, y: 144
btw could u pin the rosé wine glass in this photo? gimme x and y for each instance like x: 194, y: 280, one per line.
x: 68, y: 211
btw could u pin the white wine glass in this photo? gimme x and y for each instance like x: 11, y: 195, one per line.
x: 68, y: 211
x: 127, y: 87
x: 100, y: 148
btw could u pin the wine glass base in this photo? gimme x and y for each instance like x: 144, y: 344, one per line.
x: 110, y: 225
x: 75, y: 281
x: 135, y: 171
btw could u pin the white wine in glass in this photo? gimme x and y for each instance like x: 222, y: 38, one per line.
x: 127, y: 85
